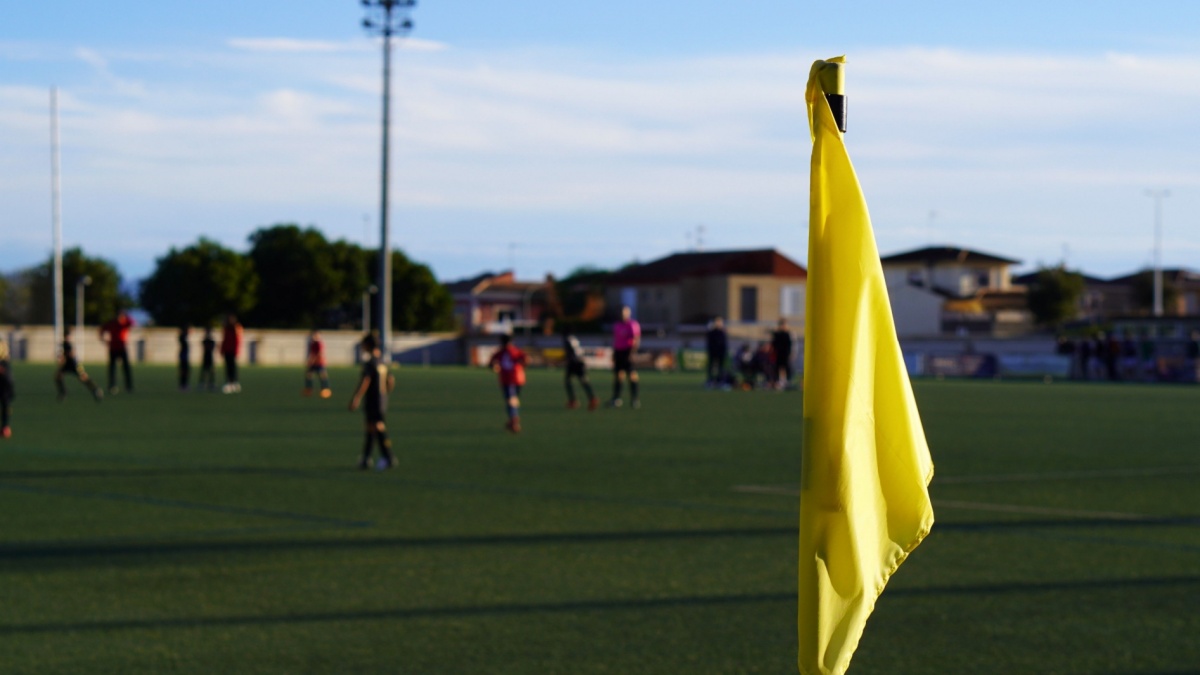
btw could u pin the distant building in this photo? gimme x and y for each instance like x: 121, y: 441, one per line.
x: 497, y: 302
x: 750, y: 289
x: 1181, y: 292
x: 950, y: 290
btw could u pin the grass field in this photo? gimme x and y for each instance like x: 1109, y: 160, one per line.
x: 162, y: 532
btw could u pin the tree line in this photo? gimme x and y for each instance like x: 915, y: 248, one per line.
x: 291, y: 277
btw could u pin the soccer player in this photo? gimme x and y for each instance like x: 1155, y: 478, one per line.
x: 627, y: 336
x: 208, y: 347
x: 185, y: 364
x: 509, y: 363
x: 68, y: 364
x: 231, y: 344
x: 6, y: 391
x: 116, y: 334
x: 372, y: 392
x: 315, y: 364
x: 576, y: 368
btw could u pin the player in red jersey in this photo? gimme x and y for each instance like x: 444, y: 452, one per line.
x: 231, y: 344
x: 509, y: 363
x: 315, y: 365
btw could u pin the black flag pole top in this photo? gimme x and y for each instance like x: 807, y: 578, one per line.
x: 833, y: 82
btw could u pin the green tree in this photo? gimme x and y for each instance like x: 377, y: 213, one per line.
x: 419, y: 301
x: 300, y: 279
x: 198, y: 284
x: 102, y: 297
x: 1054, y: 295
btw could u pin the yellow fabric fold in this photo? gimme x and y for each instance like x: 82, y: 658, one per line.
x: 864, y: 498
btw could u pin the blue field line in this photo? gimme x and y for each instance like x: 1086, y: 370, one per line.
x: 146, y: 500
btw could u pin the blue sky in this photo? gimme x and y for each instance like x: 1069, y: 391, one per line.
x: 549, y: 134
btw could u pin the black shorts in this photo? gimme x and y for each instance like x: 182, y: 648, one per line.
x: 510, y: 391
x: 373, y: 414
x: 70, y: 366
x: 623, y: 360
x: 576, y: 369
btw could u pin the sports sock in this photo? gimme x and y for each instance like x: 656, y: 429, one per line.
x: 616, y: 390
x: 570, y: 391
x: 633, y: 389
x: 587, y: 389
x: 366, y: 453
x: 512, y: 410
x: 385, y: 445
x: 58, y: 384
x: 3, y: 413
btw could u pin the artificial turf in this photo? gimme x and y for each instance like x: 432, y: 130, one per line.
x: 168, y: 532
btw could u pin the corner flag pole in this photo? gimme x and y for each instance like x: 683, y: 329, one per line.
x: 56, y: 218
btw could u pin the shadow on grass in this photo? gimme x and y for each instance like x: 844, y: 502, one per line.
x: 43, y: 552
x: 570, y: 607
x: 398, y: 614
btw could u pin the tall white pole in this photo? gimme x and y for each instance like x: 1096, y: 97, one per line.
x: 1158, y: 196
x: 56, y: 217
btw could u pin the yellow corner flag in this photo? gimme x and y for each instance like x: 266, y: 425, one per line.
x: 864, y: 499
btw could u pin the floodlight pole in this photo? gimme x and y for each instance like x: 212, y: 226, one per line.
x: 1158, y: 196
x: 84, y: 280
x: 56, y: 218
x: 387, y: 18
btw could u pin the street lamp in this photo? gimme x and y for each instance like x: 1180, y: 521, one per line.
x: 84, y: 280
x: 386, y: 18
x: 366, y: 321
x: 1158, y: 196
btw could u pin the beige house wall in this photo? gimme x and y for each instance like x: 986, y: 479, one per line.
x: 161, y: 345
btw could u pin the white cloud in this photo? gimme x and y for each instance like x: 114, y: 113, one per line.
x: 1016, y: 152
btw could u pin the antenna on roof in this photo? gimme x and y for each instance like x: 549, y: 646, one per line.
x: 699, y: 237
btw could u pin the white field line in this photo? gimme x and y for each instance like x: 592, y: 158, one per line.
x: 792, y: 491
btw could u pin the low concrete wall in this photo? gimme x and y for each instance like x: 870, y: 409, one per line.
x: 259, y: 347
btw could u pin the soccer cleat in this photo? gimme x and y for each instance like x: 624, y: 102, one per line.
x: 571, y: 405
x: 593, y: 403
x: 6, y: 432
x: 637, y: 403
x: 326, y: 392
x: 515, y: 425
x: 364, y: 463
x: 616, y: 403
x: 306, y: 392
x: 98, y: 394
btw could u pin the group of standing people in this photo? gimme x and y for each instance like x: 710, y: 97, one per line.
x: 1112, y: 357
x: 769, y: 364
x: 231, y: 347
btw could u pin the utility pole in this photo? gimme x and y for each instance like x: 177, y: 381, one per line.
x: 1158, y: 196
x: 56, y: 218
x: 386, y: 18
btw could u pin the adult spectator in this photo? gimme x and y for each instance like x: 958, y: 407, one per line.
x: 115, y: 334
x: 781, y: 345
x: 717, y: 346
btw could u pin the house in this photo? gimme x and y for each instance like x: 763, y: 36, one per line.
x: 750, y: 289
x: 498, y: 302
x: 947, y: 289
x: 1181, y: 292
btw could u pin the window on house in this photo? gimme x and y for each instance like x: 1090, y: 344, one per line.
x: 749, y: 304
x: 791, y: 301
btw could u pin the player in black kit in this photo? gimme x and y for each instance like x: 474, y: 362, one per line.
x: 578, y: 369
x: 372, y: 392
x: 68, y: 365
